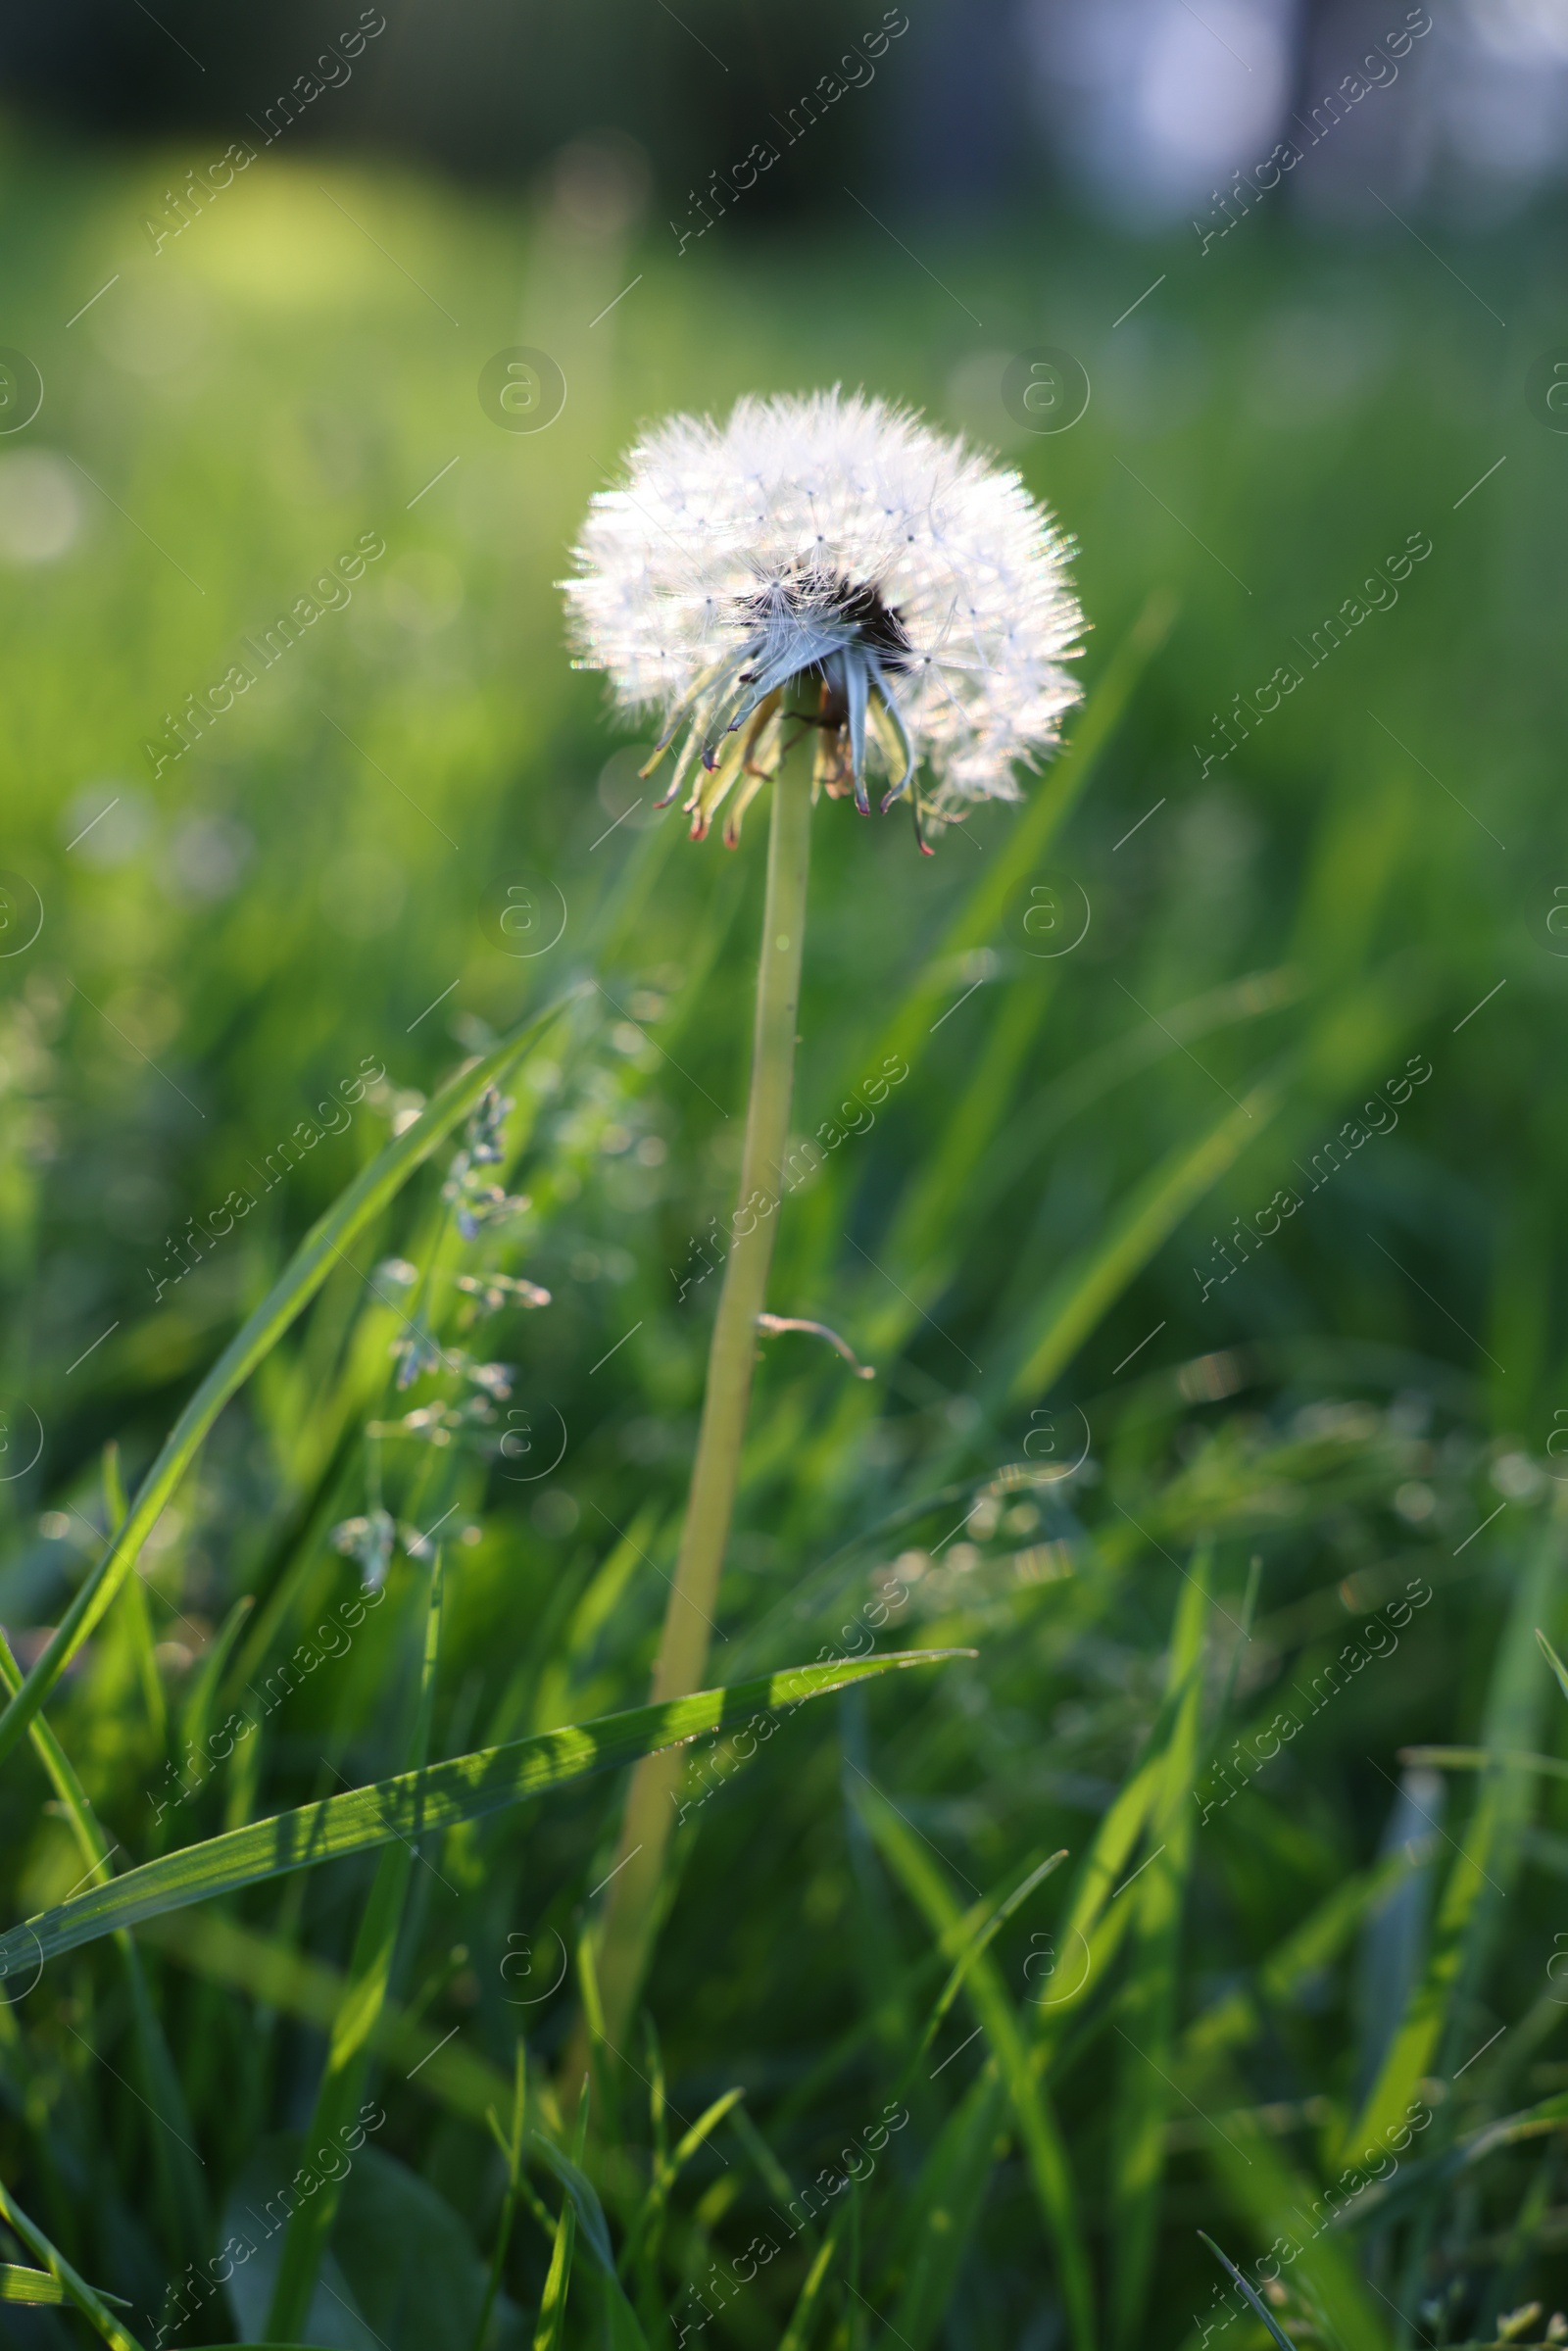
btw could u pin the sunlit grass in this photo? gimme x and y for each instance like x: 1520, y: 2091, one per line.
x: 1013, y: 1245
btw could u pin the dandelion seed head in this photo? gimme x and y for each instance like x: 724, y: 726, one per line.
x: 829, y: 561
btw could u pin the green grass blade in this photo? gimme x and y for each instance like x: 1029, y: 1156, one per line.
x: 1095, y: 1922
x: 948, y: 2195
x: 1481, y: 1759
x: 175, y: 2162
x: 1322, y: 2267
x: 1037, y: 1124
x: 942, y: 2210
x: 1487, y: 1857
x: 275, y: 1974
x: 28, y: 2285
x: 582, y: 2191
x: 138, y: 1614
x: 348, y: 2054
x: 1417, y: 2183
x: 323, y: 1249
x: 976, y: 1159
x: 550, y: 2333
x: 797, y: 2333
x: 1237, y: 2018
x: 513, y: 2144
x: 625, y: 2329
x: 925, y: 1239
x: 139, y: 1631
x: 73, y: 2288
x: 1554, y: 1661
x: 706, y: 2123
x: 1091, y: 1281
x: 927, y: 1886
x: 1045, y: 810
x: 668, y: 2166
x: 977, y: 1932
x: 1260, y: 2306
x: 416, y: 1803
x: 196, y: 1715
x: 1148, y: 2018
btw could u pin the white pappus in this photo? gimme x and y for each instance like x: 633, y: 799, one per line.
x: 828, y: 562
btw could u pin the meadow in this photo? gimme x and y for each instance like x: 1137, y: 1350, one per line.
x: 1205, y: 1253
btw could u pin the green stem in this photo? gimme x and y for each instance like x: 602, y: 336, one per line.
x: 629, y: 1919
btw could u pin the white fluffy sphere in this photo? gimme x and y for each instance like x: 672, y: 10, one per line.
x: 840, y: 541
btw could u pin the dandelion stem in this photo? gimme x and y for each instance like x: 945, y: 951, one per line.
x: 630, y: 1914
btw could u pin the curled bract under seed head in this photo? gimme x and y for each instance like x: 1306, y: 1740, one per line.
x: 828, y: 563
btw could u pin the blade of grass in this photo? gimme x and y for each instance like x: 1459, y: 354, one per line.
x: 924, y: 1239
x: 625, y: 2329
x: 1554, y: 1661
x: 1238, y: 2016
x: 510, y: 2201
x: 1093, y: 1280
x: 1038, y: 1122
x: 1044, y: 813
x: 41, y: 2285
x: 914, y: 1977
x: 414, y: 1803
x: 348, y: 2053
x: 975, y: 1932
x: 1484, y: 1871
x: 1487, y: 1855
x: 927, y: 1886
x: 28, y: 2285
x: 1092, y: 1922
x: 1148, y: 2020
x: 797, y: 2333
x: 220, y: 1950
x: 1275, y: 2200
x: 941, y: 2211
x: 1481, y: 1759
x: 666, y: 2171
x: 599, y: 2068
x: 175, y: 2162
x: 323, y: 1248
x: 550, y: 2333
x: 75, y: 2288
x: 138, y: 1616
x: 1416, y: 2183
x: 1284, y: 2341
x: 1348, y: 1035
x: 196, y: 1715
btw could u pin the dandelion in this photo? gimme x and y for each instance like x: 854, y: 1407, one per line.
x: 828, y: 565
x: 817, y: 586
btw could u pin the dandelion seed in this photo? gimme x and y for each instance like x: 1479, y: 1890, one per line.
x: 829, y: 563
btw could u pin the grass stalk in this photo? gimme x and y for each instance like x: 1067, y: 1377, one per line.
x: 630, y: 1918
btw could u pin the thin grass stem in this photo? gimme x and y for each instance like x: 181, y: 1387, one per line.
x: 630, y: 1912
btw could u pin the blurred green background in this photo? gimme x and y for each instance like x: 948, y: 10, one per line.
x: 1020, y: 1247
x: 291, y: 894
